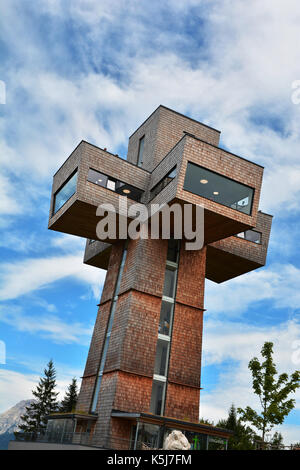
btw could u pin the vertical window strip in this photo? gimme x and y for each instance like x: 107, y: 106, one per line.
x: 109, y: 328
x: 159, y: 382
x: 141, y: 151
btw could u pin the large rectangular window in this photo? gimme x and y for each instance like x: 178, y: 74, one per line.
x: 114, y: 185
x: 65, y: 192
x: 218, y: 188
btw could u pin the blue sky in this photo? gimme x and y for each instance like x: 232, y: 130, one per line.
x: 95, y: 70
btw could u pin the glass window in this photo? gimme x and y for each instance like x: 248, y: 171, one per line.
x: 114, y: 185
x: 65, y: 192
x: 218, y: 188
x: 111, y: 184
x: 163, y: 182
x: 59, y: 430
x: 165, y: 318
x: 97, y: 178
x: 128, y: 190
x: 197, y: 441
x: 148, y: 434
x: 169, y: 286
x: 172, y: 173
x: 156, y: 404
x: 216, y: 443
x: 251, y: 235
x: 160, y: 366
x: 173, y: 250
x: 141, y: 151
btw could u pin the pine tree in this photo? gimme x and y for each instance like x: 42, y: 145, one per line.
x: 68, y: 404
x: 277, y: 441
x: 243, y: 436
x: 45, y: 402
x: 206, y: 421
x: 232, y: 419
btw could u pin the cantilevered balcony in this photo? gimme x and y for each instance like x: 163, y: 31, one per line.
x: 226, y: 185
x: 233, y: 256
x: 97, y: 253
x: 194, y: 172
x: 89, y: 177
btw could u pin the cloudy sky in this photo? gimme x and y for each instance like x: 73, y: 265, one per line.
x: 94, y: 70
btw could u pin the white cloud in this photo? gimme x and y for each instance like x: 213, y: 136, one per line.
x: 29, y: 275
x: 46, y: 325
x: 16, y: 386
x: 278, y: 285
x: 253, y: 59
x: 225, y: 340
x: 67, y: 243
x: 8, y: 203
x: 231, y: 345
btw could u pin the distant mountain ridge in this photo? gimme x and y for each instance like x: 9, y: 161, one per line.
x: 9, y: 422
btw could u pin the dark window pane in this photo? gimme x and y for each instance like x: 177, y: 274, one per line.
x: 64, y: 193
x: 197, y: 441
x: 216, y: 443
x: 253, y: 236
x: 128, y: 190
x: 165, y: 318
x: 114, y: 185
x: 161, y: 357
x: 218, y: 188
x: 141, y: 151
x: 147, y: 434
x: 157, y: 397
x: 97, y: 177
x: 169, y: 286
x: 172, y: 173
x: 173, y: 250
x: 163, y: 182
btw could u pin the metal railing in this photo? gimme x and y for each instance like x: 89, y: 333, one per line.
x: 42, y: 435
x: 78, y: 438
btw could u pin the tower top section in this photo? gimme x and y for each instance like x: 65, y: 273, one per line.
x: 158, y: 134
x: 172, y: 159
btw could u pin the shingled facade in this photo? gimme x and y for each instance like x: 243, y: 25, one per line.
x: 142, y: 375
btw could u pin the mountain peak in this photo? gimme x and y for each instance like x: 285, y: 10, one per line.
x: 10, y: 419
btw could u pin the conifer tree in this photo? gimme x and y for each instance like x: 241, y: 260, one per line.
x: 243, y: 436
x: 277, y: 441
x: 68, y: 404
x: 44, y: 403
